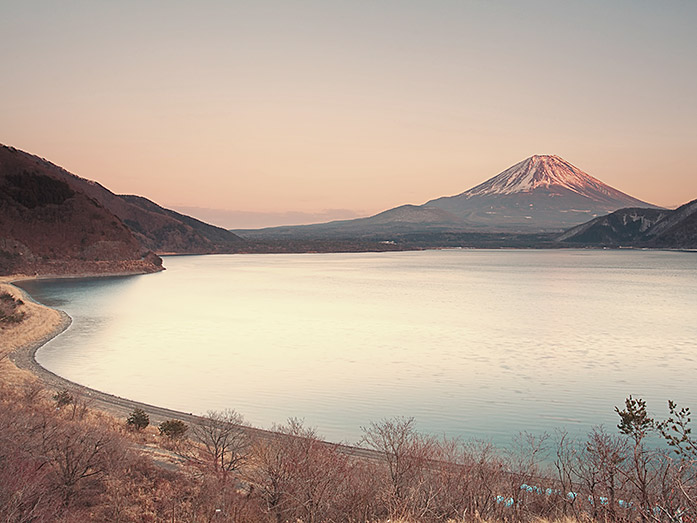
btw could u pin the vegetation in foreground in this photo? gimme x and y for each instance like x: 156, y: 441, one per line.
x: 62, y: 461
x: 9, y: 309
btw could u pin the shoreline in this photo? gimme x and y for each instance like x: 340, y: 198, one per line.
x: 22, y: 356
x: 22, y: 353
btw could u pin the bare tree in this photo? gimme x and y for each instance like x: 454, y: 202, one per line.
x: 407, y: 455
x: 80, y: 406
x: 76, y: 452
x: 524, y: 459
x: 269, y: 475
x: 360, y: 500
x: 565, y: 465
x: 485, y: 479
x: 318, y: 471
x: 599, y: 467
x: 450, y: 486
x: 26, y: 492
x: 299, y: 476
x: 224, y: 440
x: 32, y: 392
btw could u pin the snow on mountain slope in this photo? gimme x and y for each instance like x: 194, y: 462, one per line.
x: 543, y: 192
x: 546, y: 172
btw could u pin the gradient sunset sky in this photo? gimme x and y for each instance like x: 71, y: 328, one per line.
x: 277, y: 112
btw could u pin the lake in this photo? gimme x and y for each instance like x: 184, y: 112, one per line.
x: 472, y: 343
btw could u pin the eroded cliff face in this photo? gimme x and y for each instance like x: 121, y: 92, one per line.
x: 50, y: 226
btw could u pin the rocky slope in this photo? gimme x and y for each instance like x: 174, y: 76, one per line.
x: 636, y: 227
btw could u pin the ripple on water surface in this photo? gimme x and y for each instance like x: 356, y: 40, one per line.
x: 471, y: 343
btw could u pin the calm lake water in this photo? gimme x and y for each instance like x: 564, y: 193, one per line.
x: 472, y: 343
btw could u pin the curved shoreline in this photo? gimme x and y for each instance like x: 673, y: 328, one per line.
x: 23, y: 356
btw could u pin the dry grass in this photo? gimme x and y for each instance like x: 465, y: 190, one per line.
x: 38, y: 322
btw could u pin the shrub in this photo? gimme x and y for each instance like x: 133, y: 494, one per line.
x: 63, y: 398
x: 8, y: 309
x: 138, y: 419
x: 173, y: 428
x: 17, y: 317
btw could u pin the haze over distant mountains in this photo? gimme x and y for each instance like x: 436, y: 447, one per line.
x: 542, y: 193
x: 234, y: 219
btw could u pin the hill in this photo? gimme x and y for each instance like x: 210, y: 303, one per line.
x: 48, y: 226
x: 52, y: 221
x: 160, y: 230
x: 639, y: 228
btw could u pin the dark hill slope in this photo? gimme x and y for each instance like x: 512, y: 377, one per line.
x: 48, y: 226
x: 623, y: 227
x: 163, y: 230
x: 678, y: 230
x: 638, y: 227
x: 157, y: 228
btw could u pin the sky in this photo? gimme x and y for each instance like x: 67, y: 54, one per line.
x: 262, y: 113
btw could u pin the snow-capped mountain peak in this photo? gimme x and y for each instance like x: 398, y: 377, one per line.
x: 545, y: 172
x: 543, y: 191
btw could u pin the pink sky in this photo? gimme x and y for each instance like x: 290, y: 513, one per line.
x: 317, y: 110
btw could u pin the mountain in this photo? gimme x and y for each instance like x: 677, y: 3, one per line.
x: 158, y: 229
x: 540, y: 194
x: 658, y: 228
x: 48, y: 226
